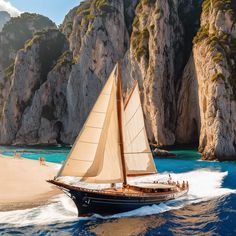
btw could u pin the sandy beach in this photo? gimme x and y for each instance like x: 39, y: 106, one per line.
x: 23, y: 183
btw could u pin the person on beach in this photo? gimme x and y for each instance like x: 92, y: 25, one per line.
x: 42, y: 161
x: 17, y: 156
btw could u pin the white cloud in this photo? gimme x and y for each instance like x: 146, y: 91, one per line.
x: 7, y: 6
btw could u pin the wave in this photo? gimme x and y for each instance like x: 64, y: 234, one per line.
x: 204, y: 185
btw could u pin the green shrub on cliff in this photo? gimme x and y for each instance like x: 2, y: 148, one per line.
x: 83, y: 7
x: 139, y: 42
x: 217, y: 58
x: 8, y: 72
x: 217, y: 76
x: 224, y: 5
x: 64, y: 59
x: 202, y: 34
x: 148, y: 2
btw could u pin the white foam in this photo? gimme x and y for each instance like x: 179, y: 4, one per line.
x: 204, y: 185
x: 59, y: 209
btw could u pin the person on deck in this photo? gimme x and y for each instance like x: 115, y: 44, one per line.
x: 170, y: 179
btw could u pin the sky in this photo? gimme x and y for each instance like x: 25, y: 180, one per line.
x: 54, y: 9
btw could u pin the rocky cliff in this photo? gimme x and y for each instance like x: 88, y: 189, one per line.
x: 160, y: 47
x: 16, y: 32
x: 4, y: 18
x: 58, y: 101
x: 188, y: 92
x: 12, y: 38
x: 31, y: 70
x: 215, y: 65
x: 98, y: 40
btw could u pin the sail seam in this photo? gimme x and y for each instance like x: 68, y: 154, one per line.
x: 136, y: 135
x: 132, y: 115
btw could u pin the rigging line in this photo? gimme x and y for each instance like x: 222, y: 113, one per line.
x: 130, y: 95
x: 133, y: 115
x: 87, y: 142
x: 94, y: 127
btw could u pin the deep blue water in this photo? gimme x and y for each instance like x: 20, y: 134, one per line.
x: 210, y: 211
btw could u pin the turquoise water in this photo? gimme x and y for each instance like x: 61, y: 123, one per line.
x: 209, y: 209
x: 51, y: 154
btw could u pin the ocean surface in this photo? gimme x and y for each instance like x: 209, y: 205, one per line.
x: 209, y: 208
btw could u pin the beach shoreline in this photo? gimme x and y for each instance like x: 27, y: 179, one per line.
x: 23, y: 183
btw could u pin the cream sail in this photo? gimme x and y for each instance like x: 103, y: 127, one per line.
x: 97, y: 155
x: 138, y: 155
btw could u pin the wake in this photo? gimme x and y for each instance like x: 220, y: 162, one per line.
x: 204, y: 185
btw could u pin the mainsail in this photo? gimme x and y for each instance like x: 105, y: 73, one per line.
x: 138, y: 155
x: 96, y: 155
x: 113, y: 141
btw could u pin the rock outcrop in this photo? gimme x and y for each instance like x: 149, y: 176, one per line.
x: 157, y: 58
x: 188, y: 114
x: 57, y: 103
x: 215, y: 64
x: 43, y: 121
x: 4, y: 18
x: 16, y: 32
x: 98, y: 41
x: 31, y: 68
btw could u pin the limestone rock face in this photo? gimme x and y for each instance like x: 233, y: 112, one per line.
x: 188, y: 116
x: 4, y: 18
x: 157, y: 58
x: 97, y: 42
x: 30, y: 71
x: 215, y: 59
x: 67, y: 24
x: 44, y: 120
x: 16, y: 32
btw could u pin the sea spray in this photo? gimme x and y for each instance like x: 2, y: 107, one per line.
x: 204, y: 184
x: 59, y: 209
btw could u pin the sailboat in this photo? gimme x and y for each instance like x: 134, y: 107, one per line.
x: 111, y: 149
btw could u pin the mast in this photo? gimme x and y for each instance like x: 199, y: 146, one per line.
x: 119, y: 106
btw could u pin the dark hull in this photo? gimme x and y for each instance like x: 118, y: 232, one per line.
x: 91, y: 202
